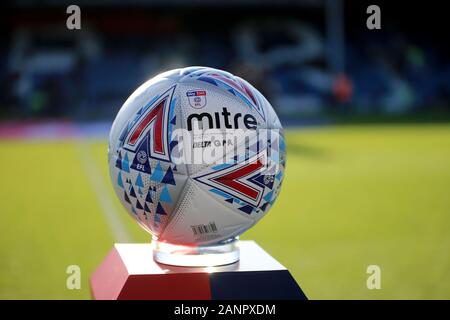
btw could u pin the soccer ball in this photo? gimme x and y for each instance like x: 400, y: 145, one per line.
x: 196, y: 156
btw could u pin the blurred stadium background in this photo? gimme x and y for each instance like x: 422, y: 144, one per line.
x: 366, y: 114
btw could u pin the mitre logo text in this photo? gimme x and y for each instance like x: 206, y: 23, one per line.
x: 220, y: 120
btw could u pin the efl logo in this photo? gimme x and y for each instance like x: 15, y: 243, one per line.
x: 197, y: 98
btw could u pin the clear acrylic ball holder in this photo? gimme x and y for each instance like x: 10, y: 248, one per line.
x: 222, y: 253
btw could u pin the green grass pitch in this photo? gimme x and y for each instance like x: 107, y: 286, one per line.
x: 353, y: 196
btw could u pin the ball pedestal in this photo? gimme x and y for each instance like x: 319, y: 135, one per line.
x: 223, y: 253
x: 130, y: 272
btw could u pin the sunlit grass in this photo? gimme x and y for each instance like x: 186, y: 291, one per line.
x: 352, y: 196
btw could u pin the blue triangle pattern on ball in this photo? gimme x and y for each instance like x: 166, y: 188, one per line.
x: 119, y: 180
x: 168, y: 177
x: 132, y: 193
x: 148, y: 198
x: 279, y: 175
x: 160, y: 209
x: 158, y: 174
x: 264, y: 206
x: 119, y: 161
x: 125, y: 197
x: 126, y: 163
x: 247, y: 209
x: 165, y: 195
x: 139, y: 181
x: 268, y: 196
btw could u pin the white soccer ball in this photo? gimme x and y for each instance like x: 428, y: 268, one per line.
x: 196, y: 156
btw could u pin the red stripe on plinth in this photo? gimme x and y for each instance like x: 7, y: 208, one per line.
x: 109, y: 278
x: 181, y: 286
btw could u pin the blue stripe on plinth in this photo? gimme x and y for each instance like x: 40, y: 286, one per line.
x: 276, y: 284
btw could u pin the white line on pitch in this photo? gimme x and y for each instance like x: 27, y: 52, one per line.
x: 97, y: 182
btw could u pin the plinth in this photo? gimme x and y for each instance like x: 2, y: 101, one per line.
x: 129, y: 272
